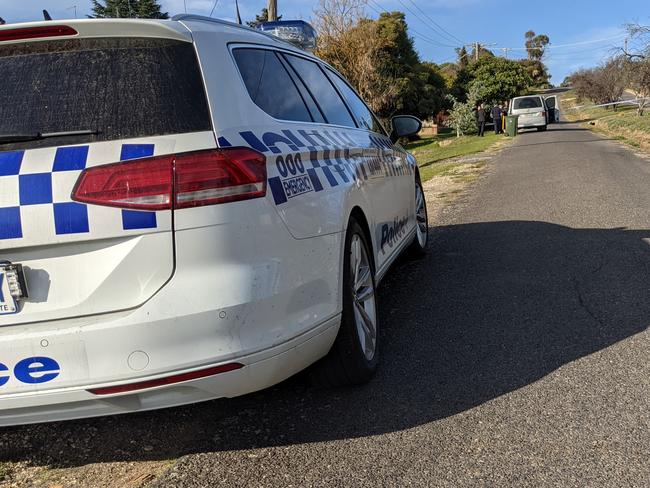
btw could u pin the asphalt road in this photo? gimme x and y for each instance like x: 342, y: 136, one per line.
x: 516, y: 354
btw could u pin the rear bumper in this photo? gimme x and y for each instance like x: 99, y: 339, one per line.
x: 260, y: 370
x: 531, y: 123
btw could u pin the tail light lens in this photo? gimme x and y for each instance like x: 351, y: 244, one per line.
x: 36, y: 32
x: 176, y: 181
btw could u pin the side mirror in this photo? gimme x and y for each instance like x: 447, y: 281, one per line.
x: 404, y: 126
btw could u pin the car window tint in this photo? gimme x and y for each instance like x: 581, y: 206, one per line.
x: 118, y: 88
x: 323, y: 91
x: 531, y: 102
x: 270, y: 85
x: 316, y: 114
x: 360, y: 110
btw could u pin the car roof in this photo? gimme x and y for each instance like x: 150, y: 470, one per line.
x: 179, y: 28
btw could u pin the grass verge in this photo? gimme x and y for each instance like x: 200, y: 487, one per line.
x: 434, y: 152
x: 622, y: 124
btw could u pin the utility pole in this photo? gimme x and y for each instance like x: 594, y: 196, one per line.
x: 476, y: 44
x: 626, y: 43
x: 273, y: 10
x: 506, y: 50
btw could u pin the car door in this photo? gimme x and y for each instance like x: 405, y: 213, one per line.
x: 399, y: 208
x: 553, y: 108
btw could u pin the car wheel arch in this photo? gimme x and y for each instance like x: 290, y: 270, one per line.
x: 360, y: 216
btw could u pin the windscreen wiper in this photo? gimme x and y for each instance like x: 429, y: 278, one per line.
x: 8, y: 138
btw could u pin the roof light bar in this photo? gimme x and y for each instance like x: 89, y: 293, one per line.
x: 297, y: 32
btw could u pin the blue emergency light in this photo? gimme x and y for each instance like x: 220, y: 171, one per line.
x: 297, y: 32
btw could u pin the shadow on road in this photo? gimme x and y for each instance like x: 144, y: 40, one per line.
x: 494, y: 307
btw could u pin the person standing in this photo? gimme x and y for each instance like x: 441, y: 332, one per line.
x: 480, y: 120
x: 496, y: 117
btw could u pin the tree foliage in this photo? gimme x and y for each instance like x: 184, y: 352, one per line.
x: 260, y: 18
x: 462, y: 117
x: 637, y: 75
x: 379, y: 60
x: 141, y: 9
x: 536, y: 45
x: 498, y: 79
x: 604, y: 84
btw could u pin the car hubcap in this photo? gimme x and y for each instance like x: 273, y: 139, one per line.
x: 363, y: 295
x: 421, y: 216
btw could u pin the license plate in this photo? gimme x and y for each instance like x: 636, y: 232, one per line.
x: 12, y: 287
x: 7, y: 302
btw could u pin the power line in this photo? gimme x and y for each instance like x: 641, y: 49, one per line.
x: 415, y: 33
x: 449, y: 34
x: 213, y: 7
x: 425, y: 23
x: 571, y: 44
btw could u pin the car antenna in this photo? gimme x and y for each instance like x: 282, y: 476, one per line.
x: 238, y: 16
x: 46, y: 15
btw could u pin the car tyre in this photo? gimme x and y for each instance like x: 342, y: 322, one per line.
x: 354, y: 356
x: 542, y: 129
x: 418, y: 247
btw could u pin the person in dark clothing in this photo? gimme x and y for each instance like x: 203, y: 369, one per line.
x: 496, y: 117
x: 480, y: 120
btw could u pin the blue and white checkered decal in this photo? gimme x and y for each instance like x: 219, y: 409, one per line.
x: 35, y: 203
x: 329, y: 158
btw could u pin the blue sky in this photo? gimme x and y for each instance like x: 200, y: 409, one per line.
x: 582, y: 32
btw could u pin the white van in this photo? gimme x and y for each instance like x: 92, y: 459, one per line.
x: 532, y: 112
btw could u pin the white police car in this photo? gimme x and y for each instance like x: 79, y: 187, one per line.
x: 189, y: 209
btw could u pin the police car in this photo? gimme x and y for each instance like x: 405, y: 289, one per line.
x: 189, y: 209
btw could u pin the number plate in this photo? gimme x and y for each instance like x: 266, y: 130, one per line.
x: 7, y: 303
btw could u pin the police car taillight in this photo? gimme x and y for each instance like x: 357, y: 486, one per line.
x: 175, y: 181
x: 36, y: 32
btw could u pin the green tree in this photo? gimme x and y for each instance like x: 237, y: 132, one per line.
x: 143, y: 9
x: 420, y: 86
x: 260, y: 18
x: 497, y: 79
x: 449, y: 72
x: 538, y: 73
x: 536, y: 45
x: 463, y: 57
x: 462, y: 117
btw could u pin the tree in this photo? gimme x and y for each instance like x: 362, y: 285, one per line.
x: 537, y: 72
x: 637, y: 65
x: 353, y: 45
x: 449, y: 72
x: 378, y: 58
x: 601, y: 85
x: 462, y: 117
x: 261, y: 18
x: 638, y: 80
x: 497, y: 79
x: 536, y: 45
x: 142, y: 9
x: 463, y: 57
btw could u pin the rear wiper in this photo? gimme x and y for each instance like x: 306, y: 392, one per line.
x: 8, y: 138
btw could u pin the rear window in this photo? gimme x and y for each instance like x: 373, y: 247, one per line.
x: 120, y: 87
x: 529, y: 102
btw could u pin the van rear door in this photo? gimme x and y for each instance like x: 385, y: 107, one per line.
x: 553, y: 108
x: 69, y: 105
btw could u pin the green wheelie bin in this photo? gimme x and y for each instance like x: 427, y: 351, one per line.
x: 512, y: 122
